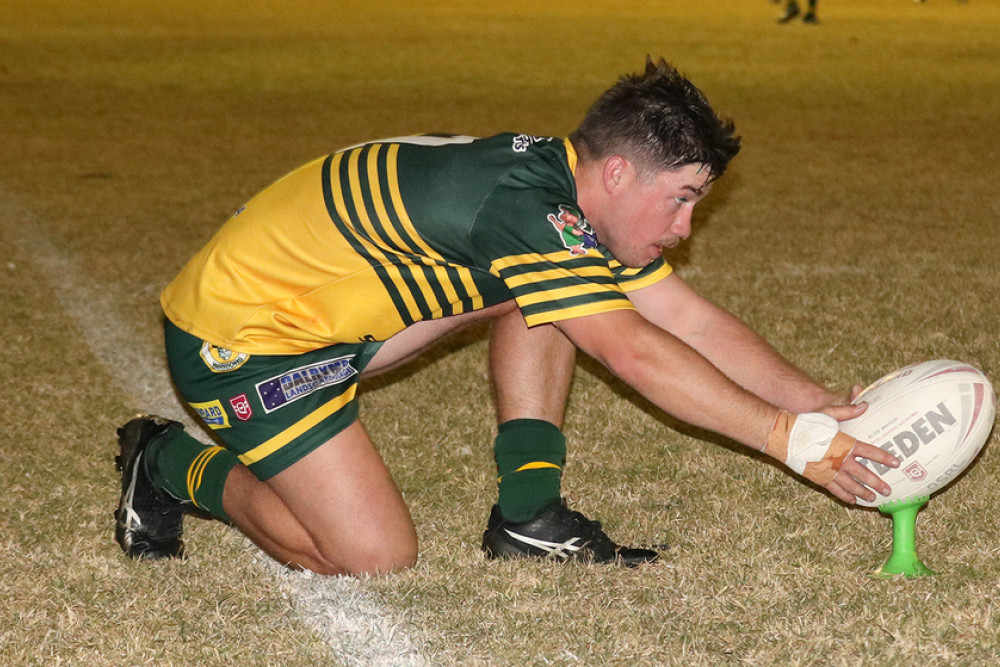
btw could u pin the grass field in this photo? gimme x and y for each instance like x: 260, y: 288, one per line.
x: 857, y: 231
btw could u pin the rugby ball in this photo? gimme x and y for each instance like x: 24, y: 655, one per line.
x: 934, y: 416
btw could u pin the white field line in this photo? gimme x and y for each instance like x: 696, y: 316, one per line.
x: 341, y: 610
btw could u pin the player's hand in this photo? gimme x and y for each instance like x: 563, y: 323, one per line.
x: 812, y: 445
x: 854, y: 480
x: 841, y: 406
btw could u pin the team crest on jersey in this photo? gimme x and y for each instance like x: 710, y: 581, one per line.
x: 521, y: 142
x: 577, y: 235
x: 212, y: 413
x: 220, y: 360
x: 281, y: 390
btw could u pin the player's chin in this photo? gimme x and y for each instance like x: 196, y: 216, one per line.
x: 637, y: 261
x: 651, y: 255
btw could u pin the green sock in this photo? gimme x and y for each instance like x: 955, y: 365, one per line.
x: 190, y: 470
x: 530, y: 455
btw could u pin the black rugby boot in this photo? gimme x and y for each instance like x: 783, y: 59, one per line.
x: 148, y: 522
x: 558, y: 533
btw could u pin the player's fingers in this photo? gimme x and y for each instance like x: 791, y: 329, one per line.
x: 837, y: 490
x: 845, y: 398
x: 845, y: 412
x: 850, y: 484
x: 862, y: 450
x: 854, y: 480
x: 852, y: 473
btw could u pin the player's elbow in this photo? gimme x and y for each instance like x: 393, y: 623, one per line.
x: 628, y: 363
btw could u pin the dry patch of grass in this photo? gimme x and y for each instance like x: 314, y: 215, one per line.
x: 856, y: 230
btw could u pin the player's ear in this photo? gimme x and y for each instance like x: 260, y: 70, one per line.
x: 614, y: 172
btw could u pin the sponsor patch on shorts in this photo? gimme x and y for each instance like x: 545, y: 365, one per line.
x: 298, y: 383
x: 220, y: 360
x: 241, y: 406
x: 212, y: 413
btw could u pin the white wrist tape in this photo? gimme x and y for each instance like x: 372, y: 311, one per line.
x: 810, y: 439
x: 810, y: 444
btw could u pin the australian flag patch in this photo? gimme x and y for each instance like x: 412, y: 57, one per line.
x: 281, y: 390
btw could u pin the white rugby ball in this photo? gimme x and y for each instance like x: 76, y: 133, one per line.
x: 934, y: 416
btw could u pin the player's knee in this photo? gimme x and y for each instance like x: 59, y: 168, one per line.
x: 385, y: 563
x: 383, y: 557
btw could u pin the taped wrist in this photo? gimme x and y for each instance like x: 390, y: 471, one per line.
x: 811, y: 444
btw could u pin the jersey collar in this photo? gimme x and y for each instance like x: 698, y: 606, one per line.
x: 571, y: 157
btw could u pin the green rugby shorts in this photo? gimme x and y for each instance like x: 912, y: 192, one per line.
x: 270, y: 410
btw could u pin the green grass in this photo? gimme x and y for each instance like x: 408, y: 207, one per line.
x: 857, y: 231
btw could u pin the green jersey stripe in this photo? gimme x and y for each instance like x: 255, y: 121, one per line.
x: 571, y: 294
x: 593, y: 270
x: 361, y: 208
x: 336, y: 207
x: 543, y: 313
x: 457, y: 280
x: 430, y: 275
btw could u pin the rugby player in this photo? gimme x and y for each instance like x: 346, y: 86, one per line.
x: 357, y: 261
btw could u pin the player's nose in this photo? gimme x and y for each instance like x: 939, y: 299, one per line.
x: 681, y: 225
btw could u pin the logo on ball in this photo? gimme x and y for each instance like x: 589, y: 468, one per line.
x: 915, y: 471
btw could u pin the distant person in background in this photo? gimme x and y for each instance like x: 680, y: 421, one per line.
x: 793, y: 10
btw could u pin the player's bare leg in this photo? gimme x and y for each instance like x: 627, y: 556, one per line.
x: 336, y: 511
x: 532, y: 370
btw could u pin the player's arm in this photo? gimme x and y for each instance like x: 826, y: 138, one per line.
x: 732, y: 346
x: 683, y: 383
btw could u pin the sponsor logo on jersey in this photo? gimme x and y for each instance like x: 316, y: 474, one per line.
x: 521, y: 142
x: 241, y: 406
x: 281, y: 390
x: 576, y: 233
x: 221, y: 360
x: 213, y: 414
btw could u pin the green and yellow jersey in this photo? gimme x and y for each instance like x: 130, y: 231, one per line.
x: 358, y: 245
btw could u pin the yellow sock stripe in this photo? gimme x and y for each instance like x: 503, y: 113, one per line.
x: 197, y: 471
x: 534, y: 465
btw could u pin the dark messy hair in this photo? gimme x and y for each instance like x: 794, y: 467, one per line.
x: 660, y: 121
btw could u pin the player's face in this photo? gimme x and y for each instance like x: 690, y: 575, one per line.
x: 653, y: 213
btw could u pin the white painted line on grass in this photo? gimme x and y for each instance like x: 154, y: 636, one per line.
x: 349, y: 618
